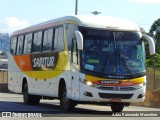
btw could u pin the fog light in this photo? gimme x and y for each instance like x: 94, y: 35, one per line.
x: 88, y: 94
x: 141, y: 95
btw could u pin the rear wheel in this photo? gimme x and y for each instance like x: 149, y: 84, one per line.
x: 117, y: 107
x: 66, y: 103
x: 29, y: 99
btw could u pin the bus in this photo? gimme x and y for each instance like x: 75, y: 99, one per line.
x: 80, y: 59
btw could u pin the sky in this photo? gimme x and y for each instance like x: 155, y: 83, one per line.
x: 18, y: 14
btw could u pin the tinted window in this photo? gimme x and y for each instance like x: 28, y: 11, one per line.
x: 103, y: 50
x: 48, y: 40
x: 20, y: 45
x: 37, y: 40
x: 13, y: 45
x: 74, y: 52
x: 59, y: 38
x: 27, y: 44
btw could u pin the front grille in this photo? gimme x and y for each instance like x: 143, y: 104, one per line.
x: 112, y: 88
x: 106, y: 88
x: 111, y: 95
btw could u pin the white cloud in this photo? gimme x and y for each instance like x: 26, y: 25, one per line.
x: 146, y: 1
x: 12, y: 24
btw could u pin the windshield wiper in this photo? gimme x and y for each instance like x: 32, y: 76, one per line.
x: 126, y: 64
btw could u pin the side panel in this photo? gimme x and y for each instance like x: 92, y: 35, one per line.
x: 43, y: 72
x: 15, y: 76
x: 75, y: 83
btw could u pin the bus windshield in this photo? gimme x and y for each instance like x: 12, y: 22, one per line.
x: 113, y: 52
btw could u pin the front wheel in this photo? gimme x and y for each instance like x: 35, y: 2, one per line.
x: 117, y: 106
x: 66, y: 103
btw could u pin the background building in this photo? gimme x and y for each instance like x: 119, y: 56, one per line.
x: 4, y: 42
x: 4, y: 49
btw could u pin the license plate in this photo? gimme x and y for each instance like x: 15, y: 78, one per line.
x: 115, y: 99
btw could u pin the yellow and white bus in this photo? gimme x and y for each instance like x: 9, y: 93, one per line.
x: 80, y: 59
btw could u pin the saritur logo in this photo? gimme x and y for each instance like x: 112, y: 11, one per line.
x: 46, y: 61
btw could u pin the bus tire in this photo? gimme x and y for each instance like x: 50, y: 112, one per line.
x: 117, y: 106
x: 29, y: 99
x: 35, y: 100
x: 66, y: 103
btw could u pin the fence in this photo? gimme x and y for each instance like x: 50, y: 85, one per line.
x: 153, y: 78
x: 3, y: 77
x: 3, y: 81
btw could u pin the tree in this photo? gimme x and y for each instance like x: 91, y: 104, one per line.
x: 154, y: 61
x: 155, y: 33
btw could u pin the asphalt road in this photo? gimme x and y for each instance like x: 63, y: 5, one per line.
x: 13, y: 105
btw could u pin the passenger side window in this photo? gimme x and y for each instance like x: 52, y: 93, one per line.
x: 27, y: 43
x: 70, y: 28
x: 48, y: 40
x: 37, y: 40
x: 59, y: 39
x: 13, y: 45
x: 20, y: 45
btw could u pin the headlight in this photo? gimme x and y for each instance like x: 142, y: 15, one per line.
x: 89, y: 83
x: 139, y: 86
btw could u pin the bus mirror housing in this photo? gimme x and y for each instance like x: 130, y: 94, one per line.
x: 79, y: 39
x: 151, y: 44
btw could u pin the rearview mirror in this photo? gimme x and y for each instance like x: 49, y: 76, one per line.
x: 79, y: 38
x: 151, y: 44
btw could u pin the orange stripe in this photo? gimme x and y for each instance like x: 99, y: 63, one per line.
x: 122, y: 83
x: 23, y: 62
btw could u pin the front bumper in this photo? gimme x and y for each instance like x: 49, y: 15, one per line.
x: 93, y: 94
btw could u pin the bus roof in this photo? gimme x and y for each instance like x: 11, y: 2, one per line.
x: 104, y: 22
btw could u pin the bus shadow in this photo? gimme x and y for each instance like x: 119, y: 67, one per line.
x: 77, y: 111
x: 49, y: 109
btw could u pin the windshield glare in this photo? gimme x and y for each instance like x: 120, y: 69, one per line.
x: 112, y: 52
